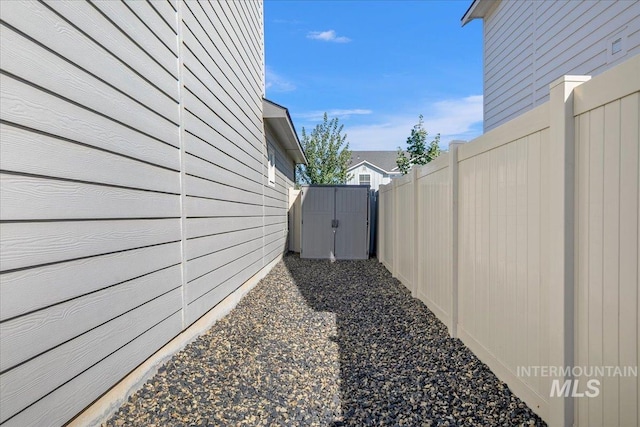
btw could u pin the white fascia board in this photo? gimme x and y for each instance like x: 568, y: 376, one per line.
x: 478, y: 9
x: 279, y: 120
x: 379, y: 169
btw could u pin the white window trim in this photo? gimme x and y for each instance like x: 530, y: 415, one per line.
x: 360, y: 178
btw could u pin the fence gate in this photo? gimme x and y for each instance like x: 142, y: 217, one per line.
x: 335, y: 222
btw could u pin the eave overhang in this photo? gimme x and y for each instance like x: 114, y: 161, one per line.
x: 478, y: 9
x: 279, y: 121
x: 372, y: 166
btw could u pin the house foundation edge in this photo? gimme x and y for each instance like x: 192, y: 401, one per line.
x: 109, y: 403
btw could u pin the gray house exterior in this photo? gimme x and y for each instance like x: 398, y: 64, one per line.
x: 144, y: 182
x: 529, y: 44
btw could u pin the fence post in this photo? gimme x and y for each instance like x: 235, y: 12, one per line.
x: 380, y: 226
x: 414, y: 236
x: 453, y: 177
x: 395, y: 226
x: 561, y: 238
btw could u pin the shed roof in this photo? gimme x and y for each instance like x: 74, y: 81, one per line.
x: 280, y: 121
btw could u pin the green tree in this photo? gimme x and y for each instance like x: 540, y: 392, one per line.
x: 420, y: 153
x: 327, y: 154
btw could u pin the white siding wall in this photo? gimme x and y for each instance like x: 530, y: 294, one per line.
x: 377, y: 178
x: 133, y: 187
x: 529, y: 44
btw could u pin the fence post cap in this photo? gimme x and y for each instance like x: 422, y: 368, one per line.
x: 569, y: 79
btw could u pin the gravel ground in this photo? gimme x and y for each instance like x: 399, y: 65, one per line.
x: 326, y: 344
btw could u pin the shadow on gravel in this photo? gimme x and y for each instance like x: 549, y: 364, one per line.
x: 398, y: 365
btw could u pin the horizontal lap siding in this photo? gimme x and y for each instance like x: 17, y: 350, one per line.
x: 224, y: 152
x: 93, y: 227
x: 276, y: 203
x: 581, y: 47
x: 90, y: 202
x: 530, y: 44
x: 508, y: 58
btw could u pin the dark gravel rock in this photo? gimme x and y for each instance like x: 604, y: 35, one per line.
x: 326, y: 344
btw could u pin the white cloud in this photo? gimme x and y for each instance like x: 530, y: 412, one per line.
x: 274, y: 82
x: 452, y: 118
x: 328, y: 36
x: 341, y: 114
x: 287, y: 21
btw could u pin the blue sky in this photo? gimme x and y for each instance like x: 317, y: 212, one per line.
x: 376, y: 65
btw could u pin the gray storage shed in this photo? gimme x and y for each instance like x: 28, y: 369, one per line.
x: 335, y: 221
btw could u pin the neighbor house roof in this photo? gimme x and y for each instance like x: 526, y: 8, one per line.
x: 384, y: 160
x: 478, y: 9
x: 280, y: 121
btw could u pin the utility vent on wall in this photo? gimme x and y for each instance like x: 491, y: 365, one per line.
x: 617, y: 46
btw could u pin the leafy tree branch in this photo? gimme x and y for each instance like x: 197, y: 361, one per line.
x: 419, y: 151
x: 327, y: 154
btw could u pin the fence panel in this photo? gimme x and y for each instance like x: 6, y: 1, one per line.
x: 526, y: 245
x: 386, y: 226
x: 606, y: 123
x: 433, y: 284
x: 404, y: 232
x: 501, y: 293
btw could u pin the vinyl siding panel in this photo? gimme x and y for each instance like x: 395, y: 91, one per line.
x: 225, y: 152
x: 277, y: 201
x: 235, y: 275
x: 60, y: 405
x: 197, y: 21
x: 26, y: 290
x: 29, y: 106
x: 578, y: 48
x: 134, y: 195
x: 42, y: 154
x: 530, y: 44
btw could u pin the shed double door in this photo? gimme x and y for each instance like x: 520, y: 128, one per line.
x: 335, y: 222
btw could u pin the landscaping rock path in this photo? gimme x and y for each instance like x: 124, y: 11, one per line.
x: 317, y: 343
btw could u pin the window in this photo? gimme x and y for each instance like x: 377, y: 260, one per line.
x: 271, y: 155
x: 364, y: 179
